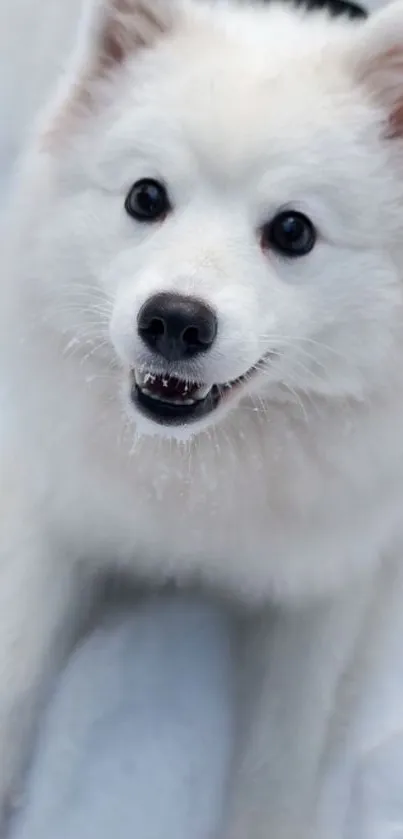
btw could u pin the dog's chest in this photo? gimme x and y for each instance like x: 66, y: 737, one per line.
x: 250, y: 513
x: 276, y: 501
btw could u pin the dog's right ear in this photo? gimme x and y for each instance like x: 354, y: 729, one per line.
x: 113, y: 30
x: 111, y: 33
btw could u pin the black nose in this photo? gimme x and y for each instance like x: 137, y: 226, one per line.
x: 177, y: 327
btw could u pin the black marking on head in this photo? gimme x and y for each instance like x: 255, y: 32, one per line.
x: 335, y: 8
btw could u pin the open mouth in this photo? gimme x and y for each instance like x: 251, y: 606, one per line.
x: 172, y: 401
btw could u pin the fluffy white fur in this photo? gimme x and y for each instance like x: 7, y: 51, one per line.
x: 293, y: 492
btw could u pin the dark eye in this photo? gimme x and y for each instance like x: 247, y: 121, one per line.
x: 290, y: 233
x: 147, y: 201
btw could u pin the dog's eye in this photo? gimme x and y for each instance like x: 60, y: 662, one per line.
x: 147, y: 201
x: 290, y: 233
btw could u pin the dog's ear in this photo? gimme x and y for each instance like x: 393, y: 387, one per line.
x: 111, y: 32
x: 378, y: 63
x: 115, y: 29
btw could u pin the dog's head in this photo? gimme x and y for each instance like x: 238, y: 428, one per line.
x: 221, y: 209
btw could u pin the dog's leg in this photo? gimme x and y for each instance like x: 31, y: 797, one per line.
x: 145, y: 709
x: 291, y: 663
x: 36, y: 591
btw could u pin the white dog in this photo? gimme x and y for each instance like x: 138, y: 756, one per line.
x: 201, y: 348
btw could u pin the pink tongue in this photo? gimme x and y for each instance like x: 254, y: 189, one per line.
x: 172, y: 388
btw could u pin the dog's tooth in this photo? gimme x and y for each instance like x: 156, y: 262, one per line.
x: 138, y: 377
x: 202, y: 391
x: 152, y: 395
x: 143, y: 378
x: 182, y: 401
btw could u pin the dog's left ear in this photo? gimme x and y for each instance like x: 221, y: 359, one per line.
x: 378, y: 63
